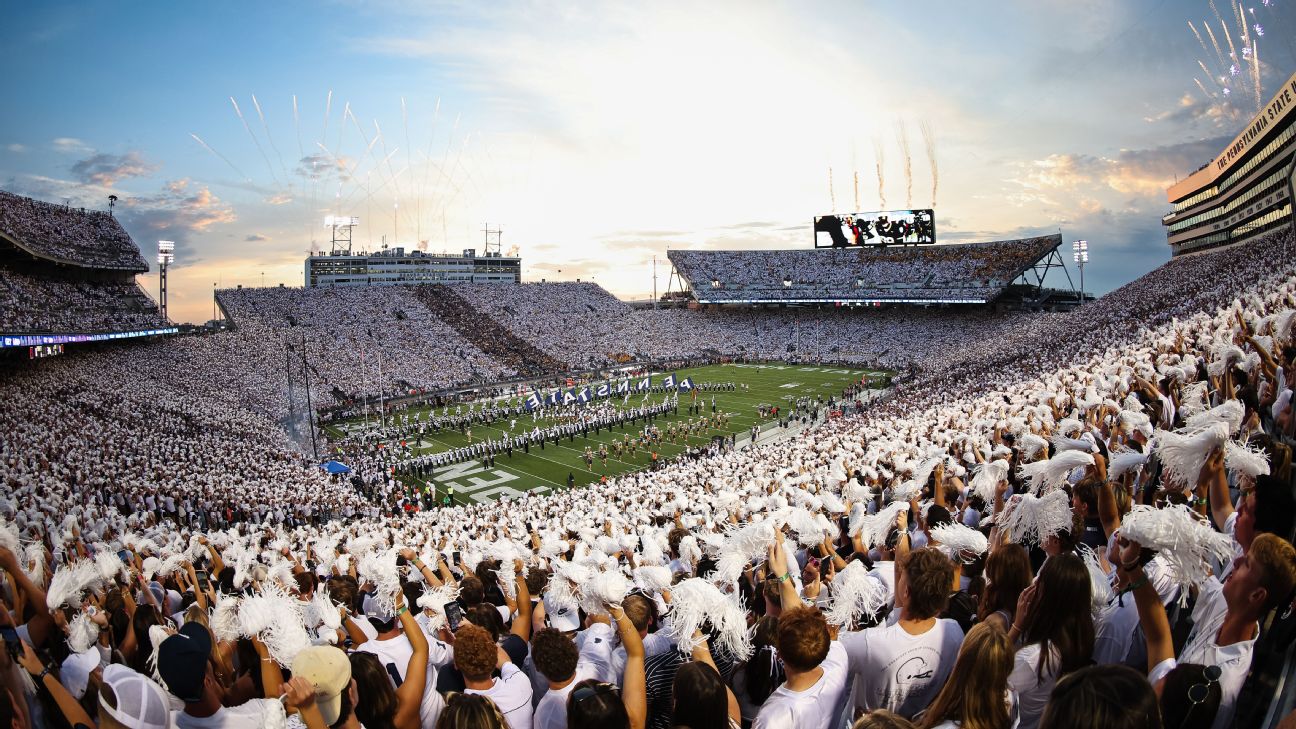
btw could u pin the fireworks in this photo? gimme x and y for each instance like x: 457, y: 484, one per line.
x: 1231, y: 61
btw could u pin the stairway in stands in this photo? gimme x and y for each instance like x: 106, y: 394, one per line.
x: 487, y: 334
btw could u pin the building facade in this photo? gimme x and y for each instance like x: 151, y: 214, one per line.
x: 395, y: 267
x: 1246, y: 190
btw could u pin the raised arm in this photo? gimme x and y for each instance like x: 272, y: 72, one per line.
x: 1214, y: 483
x: 409, y: 695
x: 67, y: 704
x: 778, y: 563
x: 1152, y: 614
x: 634, y: 689
x: 522, y: 623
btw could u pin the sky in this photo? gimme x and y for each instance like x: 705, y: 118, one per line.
x: 599, y: 135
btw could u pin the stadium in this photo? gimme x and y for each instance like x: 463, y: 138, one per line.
x: 890, y: 477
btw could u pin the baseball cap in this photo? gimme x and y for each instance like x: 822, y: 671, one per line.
x: 330, y: 671
x: 76, y: 669
x: 377, y: 612
x: 561, y: 617
x: 132, y: 699
x: 182, y: 661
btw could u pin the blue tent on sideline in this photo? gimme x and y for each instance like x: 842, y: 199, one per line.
x: 335, y: 467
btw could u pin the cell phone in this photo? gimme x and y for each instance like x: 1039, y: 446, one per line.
x: 13, y: 643
x: 454, y: 557
x: 401, y: 561
x: 202, y: 579
x: 454, y: 615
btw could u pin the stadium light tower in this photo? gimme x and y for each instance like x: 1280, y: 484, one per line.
x: 166, y: 256
x: 1080, y: 250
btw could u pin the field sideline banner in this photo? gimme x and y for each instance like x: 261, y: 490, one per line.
x: 604, y: 390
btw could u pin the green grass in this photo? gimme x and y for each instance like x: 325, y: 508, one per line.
x: 548, y: 469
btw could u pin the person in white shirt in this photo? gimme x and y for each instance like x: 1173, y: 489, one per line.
x: 1056, y: 627
x: 477, y: 657
x: 977, y: 690
x: 563, y: 665
x: 902, y: 667
x: 1226, y: 618
x: 401, y: 647
x: 814, y: 694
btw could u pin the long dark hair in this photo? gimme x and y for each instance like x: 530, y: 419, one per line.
x: 700, y: 697
x: 1007, y: 573
x: 596, y: 705
x: 378, y: 709
x: 1060, y: 616
x: 764, y: 671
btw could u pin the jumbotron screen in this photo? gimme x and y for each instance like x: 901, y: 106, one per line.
x: 883, y: 228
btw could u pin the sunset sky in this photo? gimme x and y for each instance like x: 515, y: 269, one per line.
x: 599, y: 135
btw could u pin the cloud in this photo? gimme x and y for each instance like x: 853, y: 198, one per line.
x: 1131, y: 171
x: 256, y: 237
x: 279, y: 198
x: 181, y: 211
x: 108, y: 169
x: 70, y: 144
x: 16, y: 148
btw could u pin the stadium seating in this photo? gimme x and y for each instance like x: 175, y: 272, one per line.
x: 65, y: 235
x: 973, y: 272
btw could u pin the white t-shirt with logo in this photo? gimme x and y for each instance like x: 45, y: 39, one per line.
x: 900, y: 672
x: 267, y: 713
x: 394, y: 654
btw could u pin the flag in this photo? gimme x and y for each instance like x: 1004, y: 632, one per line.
x: 584, y: 395
x: 553, y: 398
x: 623, y: 387
x: 533, y: 402
x: 603, y: 390
x: 669, y: 382
x: 686, y: 384
x: 569, y: 397
x: 644, y: 384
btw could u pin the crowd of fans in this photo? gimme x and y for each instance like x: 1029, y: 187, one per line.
x: 363, y: 340
x: 1073, y: 520
x: 77, y: 236
x: 975, y: 271
x: 487, y: 334
x: 31, y: 303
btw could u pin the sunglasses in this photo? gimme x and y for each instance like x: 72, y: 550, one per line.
x: 1199, y: 692
x: 588, y: 692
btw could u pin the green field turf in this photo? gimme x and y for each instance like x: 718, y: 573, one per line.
x: 548, y: 469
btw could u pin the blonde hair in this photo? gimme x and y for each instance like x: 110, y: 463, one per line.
x: 974, y: 695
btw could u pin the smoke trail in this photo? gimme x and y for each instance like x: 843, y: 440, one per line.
x: 879, y: 156
x: 220, y: 156
x: 929, y: 141
x: 832, y: 195
x: 255, y: 141
x: 1209, y: 95
x: 903, y: 137
x: 1198, y: 35
x: 1218, y: 53
x: 857, y: 205
x: 270, y: 138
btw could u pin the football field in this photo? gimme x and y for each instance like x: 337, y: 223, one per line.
x: 551, y: 468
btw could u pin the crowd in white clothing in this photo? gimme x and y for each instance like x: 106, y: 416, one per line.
x: 31, y: 303
x: 85, y: 238
x: 1011, y: 539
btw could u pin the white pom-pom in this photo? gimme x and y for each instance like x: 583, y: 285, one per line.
x: 1033, y: 519
x: 82, y: 633
x: 433, y: 602
x: 69, y: 583
x: 1031, y: 444
x: 855, y: 594
x: 1240, y: 458
x: 1052, y: 473
x: 606, y: 589
x: 696, y: 602
x: 961, y: 543
x: 689, y: 552
x: 872, y: 529
x: 1182, y: 456
x: 1186, y: 543
x: 34, y: 557
x: 1100, y: 585
x: 742, y: 547
x: 986, y: 478
x: 567, y: 584
x: 225, y: 619
x: 831, y: 503
x: 1230, y: 413
x: 653, y: 578
x: 1125, y: 461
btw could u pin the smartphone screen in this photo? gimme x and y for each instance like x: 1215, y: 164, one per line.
x: 202, y: 579
x: 12, y: 642
x: 454, y: 615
